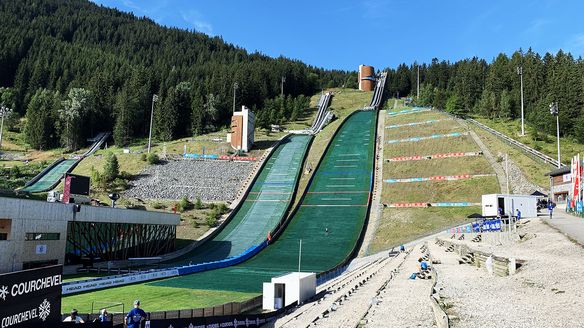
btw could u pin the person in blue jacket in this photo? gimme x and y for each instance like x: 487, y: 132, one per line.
x: 135, y: 316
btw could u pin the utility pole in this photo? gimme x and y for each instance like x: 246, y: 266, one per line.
x: 520, y: 73
x: 154, y: 99
x: 282, y: 87
x: 418, y: 96
x: 554, y: 111
x: 235, y: 87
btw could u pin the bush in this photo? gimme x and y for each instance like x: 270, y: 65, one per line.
x: 211, y: 219
x: 143, y: 157
x: 120, y: 184
x: 184, y: 205
x: 153, y: 159
x: 222, y: 208
x: 198, y: 203
x: 158, y: 206
x: 125, y: 175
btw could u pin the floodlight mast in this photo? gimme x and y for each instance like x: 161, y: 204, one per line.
x: 554, y: 111
x: 4, y: 111
x: 154, y: 99
x: 520, y: 73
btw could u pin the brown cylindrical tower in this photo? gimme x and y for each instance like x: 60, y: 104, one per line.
x: 366, y: 78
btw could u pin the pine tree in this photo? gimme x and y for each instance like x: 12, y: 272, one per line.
x: 39, y: 131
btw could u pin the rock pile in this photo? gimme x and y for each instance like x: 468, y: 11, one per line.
x: 209, y: 180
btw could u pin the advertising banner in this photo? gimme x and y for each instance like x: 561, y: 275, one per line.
x: 31, y: 298
x: 241, y: 320
x: 106, y: 282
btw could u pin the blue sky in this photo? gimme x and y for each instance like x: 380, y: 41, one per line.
x: 384, y: 33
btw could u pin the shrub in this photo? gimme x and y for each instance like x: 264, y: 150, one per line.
x: 222, y: 208
x: 184, y: 205
x: 211, y: 219
x: 143, y: 157
x: 198, y: 203
x: 153, y: 159
x: 158, y: 206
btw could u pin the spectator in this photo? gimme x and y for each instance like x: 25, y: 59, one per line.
x: 402, y: 248
x: 104, y: 316
x: 551, y: 208
x: 74, y: 317
x: 518, y: 215
x: 423, y: 264
x: 135, y: 316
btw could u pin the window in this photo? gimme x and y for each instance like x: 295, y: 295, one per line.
x: 42, y: 236
x: 3, y: 236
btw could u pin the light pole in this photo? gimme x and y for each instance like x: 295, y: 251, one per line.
x: 154, y: 99
x: 4, y: 111
x: 520, y: 73
x: 418, y: 94
x: 235, y: 87
x: 554, y: 111
x: 282, y: 87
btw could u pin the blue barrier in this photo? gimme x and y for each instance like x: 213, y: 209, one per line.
x: 203, y: 156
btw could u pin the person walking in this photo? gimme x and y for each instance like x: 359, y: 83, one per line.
x: 135, y: 316
x: 551, y: 208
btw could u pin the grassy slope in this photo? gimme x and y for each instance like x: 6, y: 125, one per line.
x: 533, y: 169
x: 548, y: 146
x: 160, y: 298
x: 400, y: 225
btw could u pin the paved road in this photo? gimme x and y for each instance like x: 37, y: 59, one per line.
x: 568, y: 224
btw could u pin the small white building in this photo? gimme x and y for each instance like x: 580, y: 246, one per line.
x: 287, y: 289
x: 527, y: 204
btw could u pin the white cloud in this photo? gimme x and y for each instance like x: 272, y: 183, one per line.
x: 197, y: 21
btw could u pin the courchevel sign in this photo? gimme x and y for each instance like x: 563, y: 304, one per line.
x: 30, y: 298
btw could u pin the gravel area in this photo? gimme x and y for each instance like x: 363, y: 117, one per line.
x: 404, y: 302
x: 547, y: 291
x: 209, y: 180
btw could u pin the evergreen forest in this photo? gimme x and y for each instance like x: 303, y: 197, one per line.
x: 73, y: 68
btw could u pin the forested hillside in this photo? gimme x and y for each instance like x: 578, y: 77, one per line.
x: 77, y: 68
x: 474, y: 86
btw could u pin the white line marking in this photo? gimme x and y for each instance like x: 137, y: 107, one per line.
x: 342, y: 178
x: 345, y: 165
x: 347, y: 160
x: 336, y: 199
x: 340, y: 186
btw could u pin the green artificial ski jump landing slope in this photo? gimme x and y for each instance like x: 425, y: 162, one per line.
x: 262, y: 209
x: 51, y: 177
x: 336, y: 201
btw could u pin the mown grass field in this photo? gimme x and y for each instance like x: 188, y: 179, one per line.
x: 154, y: 298
x: 399, y: 225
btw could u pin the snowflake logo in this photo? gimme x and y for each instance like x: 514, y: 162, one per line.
x: 3, y: 293
x: 44, y: 310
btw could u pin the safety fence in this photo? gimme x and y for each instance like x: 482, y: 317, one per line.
x: 434, y: 136
x: 408, y: 111
x: 433, y: 156
x: 439, y: 178
x: 426, y: 204
x: 215, y: 316
x: 219, y: 157
x: 394, y: 126
x: 523, y: 147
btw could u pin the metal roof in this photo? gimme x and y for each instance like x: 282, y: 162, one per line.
x: 560, y: 171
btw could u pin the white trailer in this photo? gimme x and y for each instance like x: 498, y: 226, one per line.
x: 527, y: 204
x: 287, y: 289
